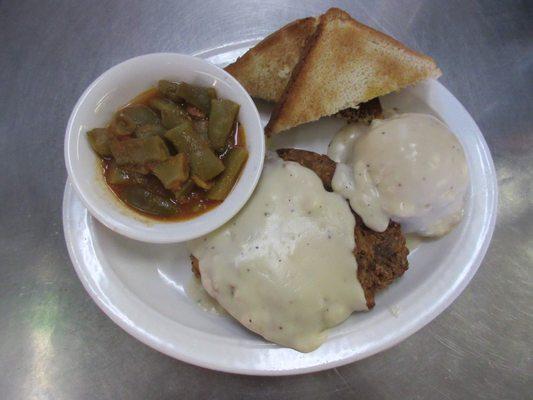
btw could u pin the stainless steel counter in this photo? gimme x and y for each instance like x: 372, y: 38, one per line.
x: 54, y: 341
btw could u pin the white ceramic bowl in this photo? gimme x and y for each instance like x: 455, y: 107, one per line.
x: 113, y: 89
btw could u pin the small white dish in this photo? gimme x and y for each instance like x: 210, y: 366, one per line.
x: 113, y: 89
x: 143, y: 287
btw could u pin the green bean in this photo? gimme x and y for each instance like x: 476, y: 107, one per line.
x: 139, y: 151
x: 144, y: 131
x: 204, y: 163
x: 169, y: 90
x: 136, y: 169
x: 171, y: 114
x: 221, y: 118
x: 119, y: 176
x: 173, y: 118
x: 234, y: 161
x: 201, y: 126
x: 206, y: 185
x: 99, y: 139
x: 129, y: 118
x: 120, y: 127
x: 137, y: 115
x: 148, y: 202
x: 173, y: 172
x: 184, y: 190
x: 196, y: 95
x: 161, y: 104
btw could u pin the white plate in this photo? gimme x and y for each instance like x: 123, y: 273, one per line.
x: 142, y: 286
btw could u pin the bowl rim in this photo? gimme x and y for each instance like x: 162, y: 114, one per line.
x: 181, y: 235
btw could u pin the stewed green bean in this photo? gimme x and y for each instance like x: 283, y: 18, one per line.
x: 204, y: 163
x: 221, y: 119
x: 171, y: 113
x: 99, y: 139
x: 201, y: 126
x: 147, y: 201
x: 139, y: 151
x: 129, y: 118
x: 120, y: 176
x: 144, y: 131
x: 169, y: 90
x: 184, y: 190
x: 137, y: 115
x: 173, y: 172
x: 233, y: 162
x: 198, y: 96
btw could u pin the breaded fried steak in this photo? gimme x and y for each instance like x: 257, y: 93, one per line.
x: 381, y: 257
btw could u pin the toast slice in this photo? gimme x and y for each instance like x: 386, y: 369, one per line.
x: 381, y: 256
x: 346, y: 63
x: 266, y: 68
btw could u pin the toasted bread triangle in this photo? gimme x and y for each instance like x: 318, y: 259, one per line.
x: 346, y: 63
x: 265, y: 70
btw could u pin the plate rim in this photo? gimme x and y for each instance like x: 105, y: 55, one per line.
x: 435, y: 311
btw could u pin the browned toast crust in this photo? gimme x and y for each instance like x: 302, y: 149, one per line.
x: 336, y: 56
x: 294, y: 82
x: 265, y: 69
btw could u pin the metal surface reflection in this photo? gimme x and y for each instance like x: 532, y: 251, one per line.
x: 55, y: 343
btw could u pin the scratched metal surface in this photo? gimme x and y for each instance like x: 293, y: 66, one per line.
x: 54, y: 341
